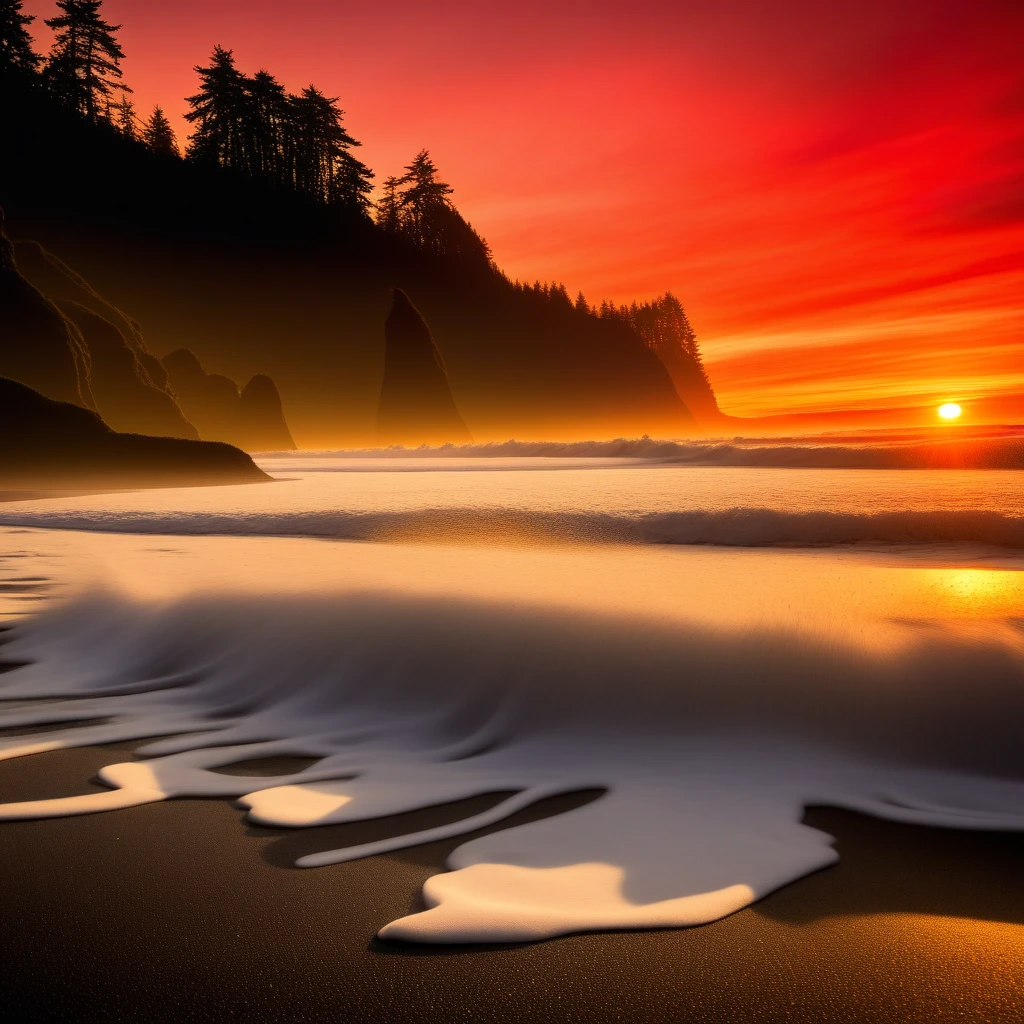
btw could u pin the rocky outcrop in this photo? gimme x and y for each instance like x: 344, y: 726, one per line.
x: 262, y: 418
x: 55, y: 279
x: 38, y: 344
x: 58, y: 444
x: 416, y: 403
x: 252, y: 419
x: 122, y: 388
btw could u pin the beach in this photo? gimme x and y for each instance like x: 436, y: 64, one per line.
x: 182, y: 911
x: 706, y: 715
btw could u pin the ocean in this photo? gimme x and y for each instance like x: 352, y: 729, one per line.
x: 708, y: 638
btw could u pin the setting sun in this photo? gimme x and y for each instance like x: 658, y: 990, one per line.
x: 950, y: 411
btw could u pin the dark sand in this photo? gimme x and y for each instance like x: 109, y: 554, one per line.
x: 182, y: 912
x: 27, y: 494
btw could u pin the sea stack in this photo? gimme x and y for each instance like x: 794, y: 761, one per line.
x: 209, y: 400
x: 39, y: 346
x: 416, y: 404
x: 261, y: 418
x: 252, y: 420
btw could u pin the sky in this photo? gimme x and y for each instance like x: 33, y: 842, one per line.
x: 834, y: 190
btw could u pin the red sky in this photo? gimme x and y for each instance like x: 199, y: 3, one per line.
x: 834, y: 189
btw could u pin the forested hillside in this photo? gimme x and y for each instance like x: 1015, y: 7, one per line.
x: 261, y: 245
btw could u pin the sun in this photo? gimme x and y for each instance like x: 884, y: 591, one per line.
x: 950, y: 411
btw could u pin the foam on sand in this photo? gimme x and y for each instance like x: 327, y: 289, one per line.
x: 707, y: 742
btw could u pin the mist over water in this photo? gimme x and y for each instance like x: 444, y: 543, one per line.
x: 708, y: 693
x: 979, y: 447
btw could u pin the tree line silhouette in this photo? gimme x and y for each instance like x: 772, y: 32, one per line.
x: 253, y: 124
x: 297, y: 142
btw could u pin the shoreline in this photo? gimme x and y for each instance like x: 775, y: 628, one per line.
x: 42, y: 493
x: 181, y: 910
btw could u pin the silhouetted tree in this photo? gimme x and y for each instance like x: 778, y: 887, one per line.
x: 83, y: 68
x: 218, y: 111
x: 124, y: 119
x: 254, y: 126
x: 158, y: 134
x: 417, y: 207
x: 264, y: 127
x: 319, y: 140
x: 16, y: 53
x: 423, y: 203
x: 351, y: 186
x: 388, y: 205
x: 663, y: 325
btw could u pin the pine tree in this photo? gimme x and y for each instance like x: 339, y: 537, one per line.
x: 351, y: 187
x: 423, y: 203
x: 387, y: 206
x: 559, y: 296
x: 123, y: 118
x: 416, y: 207
x: 16, y: 53
x: 264, y: 125
x: 663, y: 325
x: 84, y: 63
x: 254, y: 126
x: 158, y: 134
x: 319, y: 140
x: 218, y: 111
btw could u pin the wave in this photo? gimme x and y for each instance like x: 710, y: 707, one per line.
x: 706, y: 744
x: 736, y: 527
x: 908, y: 450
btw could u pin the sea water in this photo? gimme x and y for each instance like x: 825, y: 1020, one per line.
x: 711, y: 648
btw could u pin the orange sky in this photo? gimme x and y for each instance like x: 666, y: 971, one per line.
x: 835, y: 190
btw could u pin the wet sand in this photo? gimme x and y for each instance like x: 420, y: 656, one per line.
x: 181, y: 911
x: 25, y: 494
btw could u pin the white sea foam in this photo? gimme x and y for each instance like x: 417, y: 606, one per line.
x: 977, y: 448
x: 739, y: 527
x: 708, y: 742
x: 600, y: 499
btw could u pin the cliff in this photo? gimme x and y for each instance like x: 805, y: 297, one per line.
x: 124, y: 393
x: 60, y: 283
x: 38, y: 344
x: 259, y: 281
x: 692, y: 386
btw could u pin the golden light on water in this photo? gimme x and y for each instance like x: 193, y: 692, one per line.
x: 950, y: 411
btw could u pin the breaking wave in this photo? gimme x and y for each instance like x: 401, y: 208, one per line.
x: 981, y: 449
x: 707, y: 744
x: 743, y: 527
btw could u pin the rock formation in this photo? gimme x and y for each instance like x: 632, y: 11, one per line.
x: 57, y: 281
x: 59, y: 444
x: 416, y: 404
x: 262, y: 418
x: 230, y: 266
x: 125, y: 395
x: 253, y: 420
x: 38, y: 344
